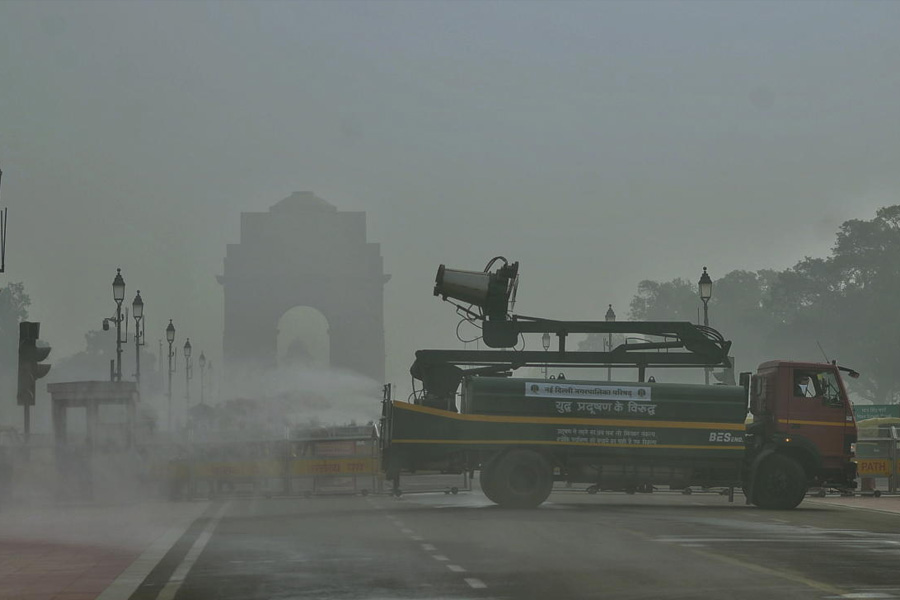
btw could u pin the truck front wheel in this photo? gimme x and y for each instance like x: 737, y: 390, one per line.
x: 780, y: 483
x: 520, y: 479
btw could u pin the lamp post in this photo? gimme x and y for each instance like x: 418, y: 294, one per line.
x: 137, y: 311
x: 202, y: 362
x: 170, y: 337
x: 118, y: 296
x: 545, y: 341
x: 610, y: 318
x: 705, y: 286
x: 188, y: 374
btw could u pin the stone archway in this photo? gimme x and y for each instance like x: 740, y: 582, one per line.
x: 304, y: 338
x: 305, y: 252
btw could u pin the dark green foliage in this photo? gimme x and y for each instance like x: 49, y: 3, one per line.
x: 847, y: 303
x: 14, y: 303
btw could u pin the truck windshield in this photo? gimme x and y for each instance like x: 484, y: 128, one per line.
x: 817, y: 384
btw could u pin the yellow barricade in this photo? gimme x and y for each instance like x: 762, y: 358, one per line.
x: 873, y: 467
x: 238, y: 469
x: 334, y: 466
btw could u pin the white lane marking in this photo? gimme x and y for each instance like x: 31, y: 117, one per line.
x: 174, y: 584
x: 407, y: 531
x: 456, y: 568
x: 440, y: 557
x: 780, y: 540
x: 847, y: 507
x: 694, y: 545
x: 428, y: 547
x: 130, y: 579
x: 417, y: 538
x: 475, y: 583
x: 688, y: 540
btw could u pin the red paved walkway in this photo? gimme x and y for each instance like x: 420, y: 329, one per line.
x: 75, y: 553
x: 31, y: 570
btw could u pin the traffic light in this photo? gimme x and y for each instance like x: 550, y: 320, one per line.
x: 30, y: 357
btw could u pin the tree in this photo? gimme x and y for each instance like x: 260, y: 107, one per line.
x: 654, y: 301
x: 675, y: 300
x: 92, y: 363
x: 847, y: 303
x: 14, y: 303
x: 738, y: 308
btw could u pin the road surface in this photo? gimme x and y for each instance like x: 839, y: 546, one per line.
x: 660, y: 545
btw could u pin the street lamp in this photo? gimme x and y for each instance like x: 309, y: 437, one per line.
x: 118, y: 296
x: 188, y: 373
x: 545, y: 341
x: 610, y: 318
x: 170, y: 337
x: 137, y: 311
x: 705, y: 286
x: 202, y: 362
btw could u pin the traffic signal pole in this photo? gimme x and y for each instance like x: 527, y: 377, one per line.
x: 30, y: 368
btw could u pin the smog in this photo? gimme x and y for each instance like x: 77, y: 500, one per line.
x: 259, y: 248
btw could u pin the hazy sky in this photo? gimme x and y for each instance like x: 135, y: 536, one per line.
x: 598, y: 143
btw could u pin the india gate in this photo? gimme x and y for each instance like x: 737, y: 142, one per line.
x: 304, y: 252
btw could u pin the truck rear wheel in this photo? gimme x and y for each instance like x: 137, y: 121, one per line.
x: 780, y: 483
x: 487, y: 481
x: 520, y: 479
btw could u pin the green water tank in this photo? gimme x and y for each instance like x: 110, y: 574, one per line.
x: 604, y: 399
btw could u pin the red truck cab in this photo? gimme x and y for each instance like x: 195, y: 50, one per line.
x: 801, y: 410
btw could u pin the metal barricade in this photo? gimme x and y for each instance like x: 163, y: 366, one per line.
x: 877, y: 455
x: 340, y: 460
x: 245, y: 467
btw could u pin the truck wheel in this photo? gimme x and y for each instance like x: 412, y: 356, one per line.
x: 487, y: 481
x: 780, y: 483
x: 521, y: 479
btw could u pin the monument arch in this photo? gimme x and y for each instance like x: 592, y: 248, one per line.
x: 304, y: 252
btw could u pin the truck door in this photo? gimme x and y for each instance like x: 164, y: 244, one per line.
x: 818, y: 411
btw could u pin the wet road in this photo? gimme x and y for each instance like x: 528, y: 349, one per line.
x: 661, y: 545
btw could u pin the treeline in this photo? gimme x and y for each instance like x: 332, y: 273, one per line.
x: 845, y: 306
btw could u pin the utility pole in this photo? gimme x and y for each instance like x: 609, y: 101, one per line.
x: 705, y: 287
x: 170, y: 337
x: 610, y: 318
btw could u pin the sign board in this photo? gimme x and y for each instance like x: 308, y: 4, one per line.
x: 875, y: 411
x: 873, y: 467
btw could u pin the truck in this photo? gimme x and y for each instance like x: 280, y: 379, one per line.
x: 778, y: 432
